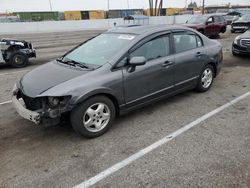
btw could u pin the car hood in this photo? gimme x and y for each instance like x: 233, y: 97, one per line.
x: 245, y: 35
x: 241, y: 21
x: 47, y: 76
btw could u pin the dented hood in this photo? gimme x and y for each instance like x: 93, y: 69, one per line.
x: 47, y: 76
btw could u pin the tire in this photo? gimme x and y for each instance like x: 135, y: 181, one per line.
x: 201, y: 31
x: 99, y: 121
x: 232, y: 31
x: 18, y: 60
x: 203, y: 86
x: 223, y: 29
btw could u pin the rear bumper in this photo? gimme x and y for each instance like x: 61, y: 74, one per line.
x: 25, y: 113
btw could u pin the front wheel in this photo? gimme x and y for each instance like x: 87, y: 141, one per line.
x: 93, y: 117
x: 206, y: 78
x: 18, y: 59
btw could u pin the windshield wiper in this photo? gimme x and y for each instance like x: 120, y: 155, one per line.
x: 74, y: 63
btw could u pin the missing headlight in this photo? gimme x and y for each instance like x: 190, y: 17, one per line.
x: 53, y: 101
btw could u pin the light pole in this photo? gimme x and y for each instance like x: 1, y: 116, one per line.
x: 203, y: 6
x: 50, y: 5
x: 128, y: 3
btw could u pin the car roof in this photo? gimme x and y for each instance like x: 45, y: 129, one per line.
x: 141, y: 29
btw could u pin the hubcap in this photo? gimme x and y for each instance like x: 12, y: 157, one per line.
x: 18, y: 59
x: 207, y: 78
x: 96, y: 117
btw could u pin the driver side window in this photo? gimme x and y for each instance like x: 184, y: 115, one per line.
x: 210, y: 20
x: 153, y: 49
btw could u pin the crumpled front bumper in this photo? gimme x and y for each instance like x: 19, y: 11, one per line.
x: 24, y: 112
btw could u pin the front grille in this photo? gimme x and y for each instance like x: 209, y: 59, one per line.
x: 240, y: 24
x: 31, y: 103
x: 245, y: 42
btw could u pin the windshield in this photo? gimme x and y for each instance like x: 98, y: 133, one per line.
x: 245, y: 17
x: 197, y: 20
x: 100, y: 49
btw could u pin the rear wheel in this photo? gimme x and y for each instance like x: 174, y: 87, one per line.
x: 206, y: 78
x: 18, y: 59
x: 223, y: 29
x: 93, y: 117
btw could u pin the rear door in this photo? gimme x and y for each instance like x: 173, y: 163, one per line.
x: 218, y: 24
x: 190, y: 56
x: 155, y: 78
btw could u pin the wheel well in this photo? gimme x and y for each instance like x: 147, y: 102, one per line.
x: 14, y: 48
x: 223, y: 29
x: 215, y: 68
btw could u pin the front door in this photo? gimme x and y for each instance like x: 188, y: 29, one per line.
x: 155, y: 78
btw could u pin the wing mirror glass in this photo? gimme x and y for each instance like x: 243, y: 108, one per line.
x: 137, y: 61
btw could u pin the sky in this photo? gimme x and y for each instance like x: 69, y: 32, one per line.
x: 62, y: 5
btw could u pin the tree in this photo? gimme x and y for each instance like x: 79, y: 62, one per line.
x: 192, y: 5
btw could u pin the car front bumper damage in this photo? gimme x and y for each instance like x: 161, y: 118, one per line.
x: 24, y: 112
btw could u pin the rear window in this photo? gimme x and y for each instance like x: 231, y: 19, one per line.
x: 217, y: 19
x: 184, y: 42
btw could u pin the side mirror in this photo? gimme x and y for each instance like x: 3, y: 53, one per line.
x: 187, y: 21
x: 137, y: 61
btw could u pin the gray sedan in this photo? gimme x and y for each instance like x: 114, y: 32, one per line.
x: 115, y: 72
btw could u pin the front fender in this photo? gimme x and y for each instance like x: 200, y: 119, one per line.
x: 89, y: 94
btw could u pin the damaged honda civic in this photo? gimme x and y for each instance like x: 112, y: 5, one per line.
x: 115, y: 72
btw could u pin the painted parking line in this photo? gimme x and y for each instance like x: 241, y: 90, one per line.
x: 6, y: 102
x: 93, y: 180
x: 7, y: 73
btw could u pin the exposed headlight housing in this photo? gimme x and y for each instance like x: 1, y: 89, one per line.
x: 53, y: 101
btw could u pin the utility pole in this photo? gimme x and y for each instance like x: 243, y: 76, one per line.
x: 50, y: 5
x: 203, y: 7
x: 128, y: 3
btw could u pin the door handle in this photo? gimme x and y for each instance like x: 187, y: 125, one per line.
x: 167, y: 64
x: 198, y: 54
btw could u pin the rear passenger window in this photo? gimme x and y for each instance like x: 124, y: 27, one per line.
x: 156, y: 48
x: 217, y: 19
x: 184, y: 42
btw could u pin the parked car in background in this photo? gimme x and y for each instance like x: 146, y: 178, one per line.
x: 241, y: 24
x: 231, y: 16
x: 116, y: 72
x: 16, y: 52
x: 241, y: 44
x: 209, y: 25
